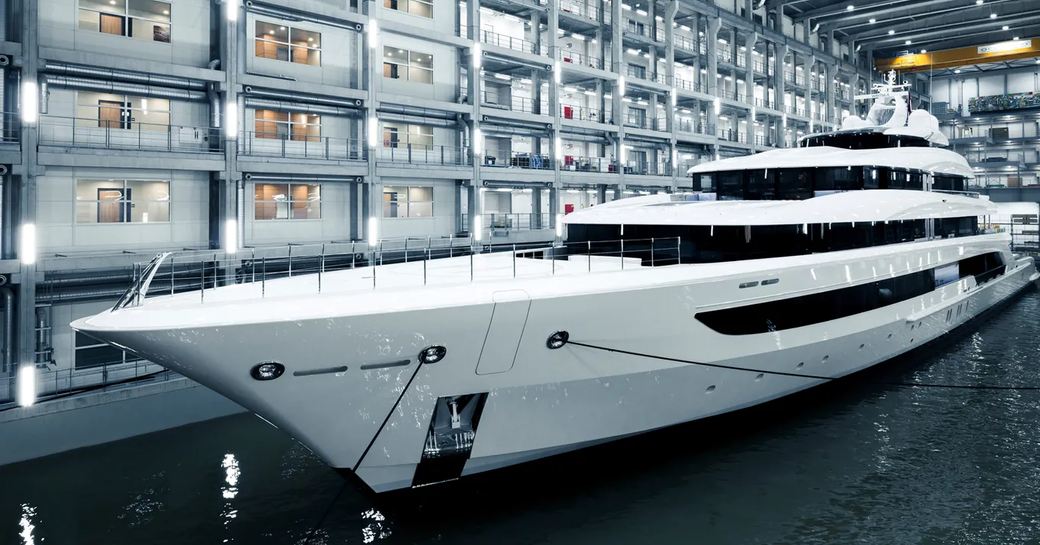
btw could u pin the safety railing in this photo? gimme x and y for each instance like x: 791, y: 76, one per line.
x: 513, y: 103
x: 689, y: 125
x: 51, y: 382
x: 648, y: 168
x: 578, y: 163
x: 689, y: 85
x: 424, y: 154
x: 588, y: 10
x: 535, y: 161
x: 491, y: 37
x: 686, y: 43
x: 312, y: 269
x: 128, y: 135
x: 572, y: 57
x: 636, y: 28
x: 10, y: 127
x: 732, y: 135
x: 725, y: 55
x: 581, y: 113
x: 315, y: 147
x: 501, y: 224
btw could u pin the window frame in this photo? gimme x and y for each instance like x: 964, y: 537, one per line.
x: 127, y: 205
x: 290, y: 46
x: 408, y: 64
x: 128, y: 119
x: 406, y: 202
x: 289, y: 124
x: 288, y: 202
x: 127, y: 20
x: 408, y: 10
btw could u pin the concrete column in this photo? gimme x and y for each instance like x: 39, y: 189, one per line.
x: 617, y: 107
x: 810, y: 104
x: 778, y: 89
x: 25, y: 180
x: 711, y: 35
x: 669, y: 35
x: 473, y: 80
x: 749, y: 83
x: 224, y: 207
x: 554, y: 100
x: 536, y: 209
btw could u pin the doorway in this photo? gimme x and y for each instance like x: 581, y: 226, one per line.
x: 113, y: 205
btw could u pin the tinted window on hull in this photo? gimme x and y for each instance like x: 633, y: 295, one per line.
x: 801, y: 183
x: 840, y: 303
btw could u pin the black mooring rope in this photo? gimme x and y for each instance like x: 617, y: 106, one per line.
x: 799, y: 375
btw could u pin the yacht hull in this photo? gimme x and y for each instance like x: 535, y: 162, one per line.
x: 355, y: 392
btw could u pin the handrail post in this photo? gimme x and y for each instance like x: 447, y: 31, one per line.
x: 589, y: 252
x: 424, y: 266
x: 353, y: 254
x: 471, y: 252
x: 406, y: 249
x: 263, y: 277
x: 202, y: 282
x: 173, y: 274
x: 622, y: 254
x: 321, y: 267
x: 290, y: 261
x: 651, y: 251
x: 514, y: 260
x: 678, y: 250
x: 553, y: 250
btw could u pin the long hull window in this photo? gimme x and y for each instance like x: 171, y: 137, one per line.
x: 804, y: 183
x: 840, y: 303
x: 706, y: 244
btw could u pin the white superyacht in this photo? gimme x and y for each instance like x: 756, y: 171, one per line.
x: 792, y: 267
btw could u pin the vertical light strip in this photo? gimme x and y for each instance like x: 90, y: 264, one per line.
x: 373, y: 132
x: 231, y: 10
x: 231, y: 236
x: 26, y: 385
x: 478, y: 142
x: 30, y: 102
x: 373, y: 231
x: 231, y: 120
x: 478, y: 228
x: 373, y: 33
x: 559, y: 225
x: 621, y: 85
x: 27, y: 245
x: 475, y: 55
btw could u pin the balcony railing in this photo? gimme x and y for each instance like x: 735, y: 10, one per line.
x: 688, y: 125
x: 10, y: 127
x: 534, y: 161
x: 509, y: 42
x: 63, y: 381
x: 572, y: 57
x: 128, y: 135
x: 324, y: 147
x: 639, y: 29
x: 516, y: 103
x: 583, y: 9
x: 648, y: 168
x: 581, y: 113
x: 725, y: 55
x: 685, y: 42
x: 689, y: 85
x: 732, y: 135
x: 577, y: 163
x: 644, y: 122
x: 763, y: 103
x: 501, y: 224
x: 423, y: 154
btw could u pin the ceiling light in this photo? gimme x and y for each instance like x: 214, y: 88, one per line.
x: 891, y: 32
x: 872, y: 20
x: 1015, y: 38
x: 923, y: 51
x: 850, y: 7
x: 979, y: 2
x: 1005, y: 27
x: 992, y: 15
x: 908, y: 42
x: 957, y: 71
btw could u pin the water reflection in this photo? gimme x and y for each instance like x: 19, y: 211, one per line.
x: 26, y: 524
x: 229, y: 490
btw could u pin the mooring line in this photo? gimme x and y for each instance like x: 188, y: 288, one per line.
x: 799, y: 375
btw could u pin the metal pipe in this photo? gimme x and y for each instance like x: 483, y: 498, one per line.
x: 214, y: 106
x: 430, y: 121
x: 122, y: 75
x: 300, y: 107
x: 300, y: 98
x: 282, y: 13
x: 149, y: 91
x: 9, y: 312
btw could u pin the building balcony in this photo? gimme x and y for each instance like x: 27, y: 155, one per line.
x: 688, y: 85
x: 649, y: 123
x: 588, y: 10
x: 513, y: 103
x: 577, y: 163
x: 571, y: 57
x: 502, y: 224
x: 315, y: 147
x: 423, y: 154
x: 690, y: 126
x: 128, y: 135
x: 521, y: 160
x: 581, y: 113
x: 509, y: 42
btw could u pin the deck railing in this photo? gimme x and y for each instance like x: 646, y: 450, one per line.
x: 175, y: 272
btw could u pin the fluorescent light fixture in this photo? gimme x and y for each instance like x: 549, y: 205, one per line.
x: 979, y: 2
x: 850, y: 7
x: 558, y: 148
x: 504, y: 77
x: 231, y: 236
x: 26, y: 385
x: 1005, y: 27
x: 908, y: 42
x: 478, y: 228
x: 891, y: 32
x: 373, y: 33
x: 872, y: 20
x: 578, y: 37
x: 27, y: 244
x: 923, y: 51
x: 992, y: 15
x: 718, y: 105
x: 231, y: 120
x: 557, y: 72
x: 621, y: 85
x: 373, y: 132
x: 816, y: 27
x: 475, y: 54
x: 373, y: 231
x: 478, y: 142
x: 231, y: 10
x: 30, y: 102
x: 559, y: 225
x: 570, y: 89
x: 675, y: 97
x: 958, y: 71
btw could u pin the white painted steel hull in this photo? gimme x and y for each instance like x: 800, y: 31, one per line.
x: 540, y: 401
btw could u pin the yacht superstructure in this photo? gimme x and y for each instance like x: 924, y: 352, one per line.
x: 786, y: 269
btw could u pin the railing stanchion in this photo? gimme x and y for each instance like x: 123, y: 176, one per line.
x: 263, y: 277
x: 589, y: 253
x: 471, y: 252
x: 424, y: 266
x: 353, y: 255
x: 406, y: 249
x: 321, y: 266
x: 514, y: 260
x: 651, y: 251
x: 252, y: 265
x: 678, y: 251
x: 290, y: 261
x: 552, y: 249
x: 622, y: 254
x: 202, y: 281
x: 374, y: 265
